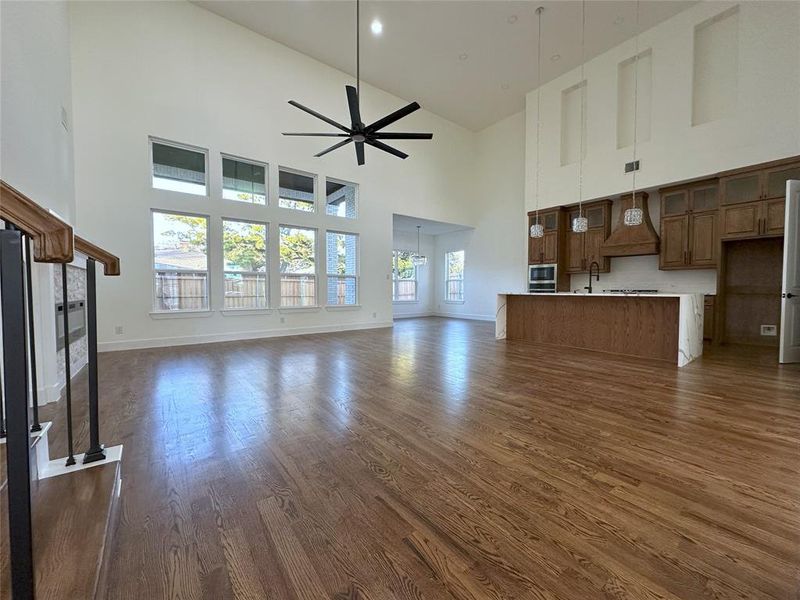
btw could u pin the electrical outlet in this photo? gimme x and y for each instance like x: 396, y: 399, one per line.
x: 374, y: 315
x: 283, y: 319
x: 118, y: 330
x: 769, y: 330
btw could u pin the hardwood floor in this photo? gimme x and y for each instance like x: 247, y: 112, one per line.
x: 432, y: 461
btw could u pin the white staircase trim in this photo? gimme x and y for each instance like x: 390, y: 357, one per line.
x: 54, y: 468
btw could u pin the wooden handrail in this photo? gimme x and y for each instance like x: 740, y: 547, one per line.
x: 109, y: 261
x: 52, y: 238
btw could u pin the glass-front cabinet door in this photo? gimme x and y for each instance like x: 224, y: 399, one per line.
x: 738, y: 189
x: 705, y: 198
x: 675, y: 203
x: 550, y: 221
x: 776, y: 180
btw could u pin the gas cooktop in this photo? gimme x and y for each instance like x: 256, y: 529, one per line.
x: 629, y: 291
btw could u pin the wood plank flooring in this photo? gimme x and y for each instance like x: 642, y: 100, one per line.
x: 432, y: 461
x: 71, y: 516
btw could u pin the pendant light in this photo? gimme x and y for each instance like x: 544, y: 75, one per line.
x: 537, y: 230
x: 418, y: 260
x: 580, y: 224
x: 635, y: 215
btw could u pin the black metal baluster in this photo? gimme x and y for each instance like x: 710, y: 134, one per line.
x: 2, y: 408
x: 18, y: 466
x: 31, y: 340
x: 67, y: 366
x: 95, y: 451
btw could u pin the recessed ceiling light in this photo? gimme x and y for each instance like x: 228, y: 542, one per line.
x: 619, y: 20
x: 376, y: 26
x: 505, y: 86
x: 555, y: 57
x: 512, y: 19
x: 463, y: 56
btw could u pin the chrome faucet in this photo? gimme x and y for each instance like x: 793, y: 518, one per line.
x: 596, y: 275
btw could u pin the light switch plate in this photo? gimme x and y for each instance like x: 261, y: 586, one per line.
x: 769, y: 330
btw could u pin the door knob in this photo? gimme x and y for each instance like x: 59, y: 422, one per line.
x: 788, y: 295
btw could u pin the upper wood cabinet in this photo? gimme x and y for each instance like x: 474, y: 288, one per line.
x: 765, y: 183
x: 689, y: 233
x: 545, y: 250
x: 584, y: 248
x: 762, y: 218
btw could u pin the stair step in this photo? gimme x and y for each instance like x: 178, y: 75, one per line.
x: 74, y: 517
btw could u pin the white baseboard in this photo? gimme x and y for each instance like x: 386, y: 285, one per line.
x: 414, y: 315
x: 235, y: 336
x: 467, y: 316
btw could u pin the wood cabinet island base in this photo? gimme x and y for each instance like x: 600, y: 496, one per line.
x: 661, y: 326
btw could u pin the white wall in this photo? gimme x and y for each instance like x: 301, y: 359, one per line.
x: 174, y: 70
x: 36, y: 152
x: 764, y: 126
x: 35, y: 65
x: 424, y: 306
x: 496, y: 250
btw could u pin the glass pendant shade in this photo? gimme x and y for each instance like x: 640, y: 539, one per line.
x: 537, y: 230
x: 634, y: 216
x: 580, y: 224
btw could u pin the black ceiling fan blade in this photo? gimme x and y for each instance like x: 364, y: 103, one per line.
x: 319, y: 116
x: 385, y: 148
x: 334, y: 147
x: 395, y: 116
x: 352, y: 104
x: 321, y: 134
x: 360, y: 152
x: 387, y: 135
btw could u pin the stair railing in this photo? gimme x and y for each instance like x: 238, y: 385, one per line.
x: 30, y: 234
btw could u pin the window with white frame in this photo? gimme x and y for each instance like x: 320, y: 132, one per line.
x: 244, y: 181
x: 404, y: 276
x: 244, y: 249
x: 298, y: 266
x: 454, y: 276
x: 296, y: 190
x: 342, y: 267
x: 180, y: 261
x: 341, y: 199
x: 178, y: 168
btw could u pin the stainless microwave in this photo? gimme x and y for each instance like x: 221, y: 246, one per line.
x: 542, y: 279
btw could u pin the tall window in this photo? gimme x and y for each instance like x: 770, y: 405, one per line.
x: 404, y: 277
x: 342, y: 257
x: 244, y: 248
x: 298, y: 266
x: 244, y: 181
x: 340, y: 199
x: 454, y: 276
x: 295, y: 191
x: 180, y: 261
x: 178, y: 168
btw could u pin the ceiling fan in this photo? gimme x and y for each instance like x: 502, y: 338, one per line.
x: 358, y: 132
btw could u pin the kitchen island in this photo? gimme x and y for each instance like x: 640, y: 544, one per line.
x: 661, y: 326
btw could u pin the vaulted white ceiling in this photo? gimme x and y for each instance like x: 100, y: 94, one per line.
x: 471, y: 62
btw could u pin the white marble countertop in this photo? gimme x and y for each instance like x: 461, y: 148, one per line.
x: 595, y: 294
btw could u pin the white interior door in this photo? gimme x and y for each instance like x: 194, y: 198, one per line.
x: 790, y: 291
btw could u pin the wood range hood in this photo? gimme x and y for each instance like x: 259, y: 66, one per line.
x: 636, y: 240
